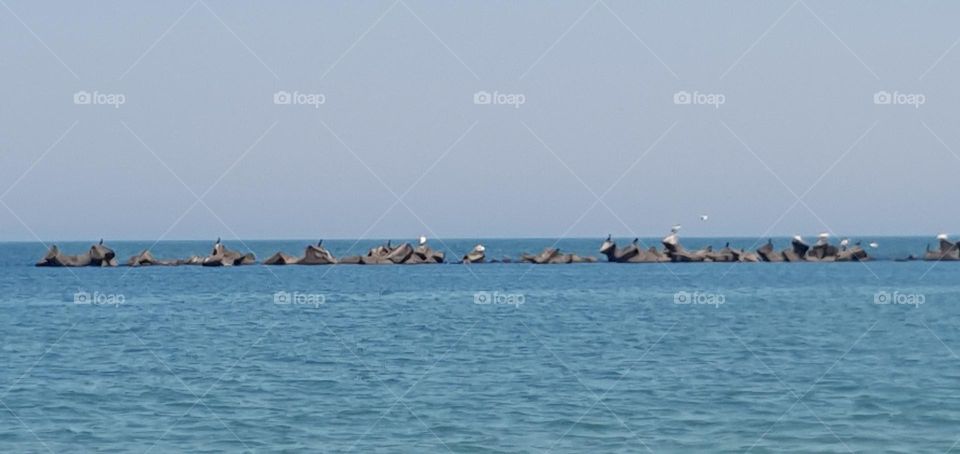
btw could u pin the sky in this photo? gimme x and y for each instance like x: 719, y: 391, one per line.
x: 375, y: 119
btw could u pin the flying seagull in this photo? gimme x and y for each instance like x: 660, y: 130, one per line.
x: 704, y: 217
x: 676, y: 228
x: 874, y: 245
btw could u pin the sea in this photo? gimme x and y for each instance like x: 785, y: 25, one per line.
x: 484, y: 358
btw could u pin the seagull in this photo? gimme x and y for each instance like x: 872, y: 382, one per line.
x: 423, y: 240
x: 823, y: 235
x: 798, y: 238
x: 942, y: 236
x: 704, y: 217
x: 675, y: 228
x: 844, y: 242
x: 874, y: 245
x: 480, y: 248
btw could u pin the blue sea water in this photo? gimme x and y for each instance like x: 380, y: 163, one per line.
x: 590, y: 357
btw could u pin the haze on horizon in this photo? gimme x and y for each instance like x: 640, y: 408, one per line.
x: 835, y: 116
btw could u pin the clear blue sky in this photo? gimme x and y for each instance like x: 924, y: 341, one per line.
x: 598, y: 81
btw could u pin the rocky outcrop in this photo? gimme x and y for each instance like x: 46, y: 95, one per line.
x: 948, y: 251
x: 221, y: 256
x: 313, y: 254
x: 552, y: 255
x: 476, y: 255
x: 632, y: 253
x: 145, y: 258
x: 98, y: 255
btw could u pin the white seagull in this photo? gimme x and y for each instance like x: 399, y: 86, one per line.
x: 704, y: 217
x: 423, y: 240
x: 942, y: 236
x: 874, y: 245
x: 676, y: 228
